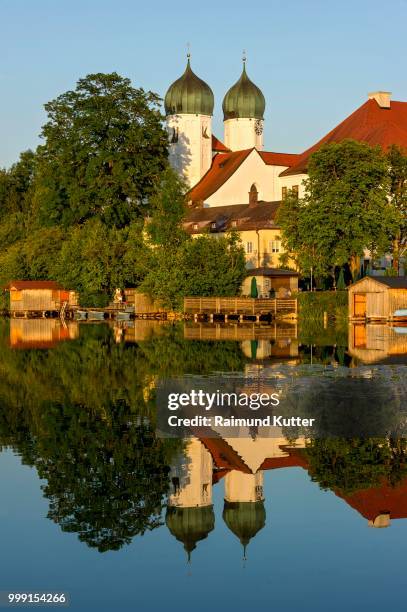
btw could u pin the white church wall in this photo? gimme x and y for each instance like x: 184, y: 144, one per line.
x: 191, y: 155
x: 236, y: 189
x: 191, y: 477
x: 241, y: 134
x: 291, y: 181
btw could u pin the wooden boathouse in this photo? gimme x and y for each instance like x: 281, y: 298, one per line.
x: 378, y: 298
x: 39, y: 298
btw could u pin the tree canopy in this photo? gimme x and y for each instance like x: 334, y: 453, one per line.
x: 346, y: 208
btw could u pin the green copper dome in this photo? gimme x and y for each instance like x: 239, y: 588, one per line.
x: 190, y: 525
x: 244, y: 519
x: 244, y: 100
x: 189, y: 95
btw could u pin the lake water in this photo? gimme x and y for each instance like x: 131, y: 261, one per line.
x: 95, y: 504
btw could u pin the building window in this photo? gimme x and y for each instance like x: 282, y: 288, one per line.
x: 249, y: 247
x: 295, y: 189
x: 213, y: 225
x: 253, y: 195
x: 234, y: 223
x: 283, y: 193
x: 195, y: 226
x: 275, y: 246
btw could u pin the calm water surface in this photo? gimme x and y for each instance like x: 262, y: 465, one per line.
x: 95, y: 504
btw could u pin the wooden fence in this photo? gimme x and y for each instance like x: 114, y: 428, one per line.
x: 238, y: 305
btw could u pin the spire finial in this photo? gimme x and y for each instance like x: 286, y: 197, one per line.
x: 244, y: 57
x: 188, y: 51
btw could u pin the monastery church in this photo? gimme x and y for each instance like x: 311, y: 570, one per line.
x: 235, y: 183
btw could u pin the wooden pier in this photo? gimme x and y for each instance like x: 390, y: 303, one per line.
x: 223, y: 308
x: 239, y: 332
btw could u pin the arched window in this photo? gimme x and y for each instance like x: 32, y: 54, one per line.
x: 253, y: 195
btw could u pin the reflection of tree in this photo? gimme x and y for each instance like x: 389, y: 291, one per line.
x: 348, y: 465
x: 345, y: 406
x: 81, y: 415
x: 105, y: 481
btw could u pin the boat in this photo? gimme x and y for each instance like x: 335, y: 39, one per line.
x: 96, y: 315
x: 400, y: 315
x: 81, y: 315
x: 124, y: 315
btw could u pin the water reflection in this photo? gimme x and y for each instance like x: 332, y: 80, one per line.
x: 376, y: 343
x: 83, y: 414
x: 370, y: 476
x: 41, y: 333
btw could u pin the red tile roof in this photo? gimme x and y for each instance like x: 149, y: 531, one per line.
x: 21, y: 285
x: 238, y: 216
x: 369, y: 123
x: 279, y: 159
x: 218, y: 146
x: 224, y: 165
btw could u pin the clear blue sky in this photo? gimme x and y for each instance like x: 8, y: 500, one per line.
x: 315, y: 60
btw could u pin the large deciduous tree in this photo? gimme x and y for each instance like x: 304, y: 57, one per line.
x: 398, y: 197
x: 104, y: 151
x: 346, y: 208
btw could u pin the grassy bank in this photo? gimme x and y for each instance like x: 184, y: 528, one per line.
x: 312, y: 305
x: 311, y: 309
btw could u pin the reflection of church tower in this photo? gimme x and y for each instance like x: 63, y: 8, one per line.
x: 243, y: 114
x: 244, y: 511
x: 189, y: 105
x: 190, y: 516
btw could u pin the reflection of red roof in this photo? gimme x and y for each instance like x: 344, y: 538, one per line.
x: 224, y: 165
x: 223, y: 455
x: 369, y: 123
x: 21, y: 285
x: 279, y: 159
x: 370, y: 503
x: 274, y: 463
x: 218, y: 146
x: 33, y: 344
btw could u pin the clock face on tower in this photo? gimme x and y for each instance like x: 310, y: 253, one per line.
x: 258, y: 127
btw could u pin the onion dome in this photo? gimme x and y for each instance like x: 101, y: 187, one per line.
x: 244, y: 519
x: 244, y: 100
x: 190, y: 525
x: 189, y: 95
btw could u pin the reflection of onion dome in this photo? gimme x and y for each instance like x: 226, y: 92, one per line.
x: 189, y: 95
x: 244, y: 100
x: 244, y: 519
x: 190, y: 525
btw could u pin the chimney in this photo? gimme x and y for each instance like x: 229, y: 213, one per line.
x: 253, y: 196
x: 381, y: 97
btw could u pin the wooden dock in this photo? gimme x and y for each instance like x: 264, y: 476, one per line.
x: 223, y: 308
x: 238, y: 332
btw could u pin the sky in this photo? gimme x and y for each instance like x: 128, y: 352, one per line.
x: 314, y: 60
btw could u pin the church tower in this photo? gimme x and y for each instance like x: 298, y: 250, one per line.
x: 244, y: 511
x: 189, y: 108
x: 243, y: 114
x: 190, y: 517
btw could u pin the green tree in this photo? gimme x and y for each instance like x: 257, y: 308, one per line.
x: 345, y: 208
x: 104, y: 152
x: 200, y: 266
x: 398, y: 197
